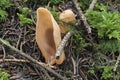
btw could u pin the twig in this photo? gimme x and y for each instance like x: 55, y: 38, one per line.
x: 92, y: 4
x: 5, y: 33
x: 18, y: 42
x: 62, y: 44
x: 117, y: 62
x: 74, y: 65
x: 33, y: 60
x: 45, y: 73
x: 82, y: 17
x: 21, y: 53
x: 13, y: 60
x: 4, y: 52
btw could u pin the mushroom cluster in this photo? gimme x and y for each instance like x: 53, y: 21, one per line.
x: 48, y: 34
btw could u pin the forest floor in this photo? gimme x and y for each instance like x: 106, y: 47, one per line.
x: 83, y: 61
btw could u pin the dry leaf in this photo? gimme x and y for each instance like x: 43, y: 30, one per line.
x: 48, y: 36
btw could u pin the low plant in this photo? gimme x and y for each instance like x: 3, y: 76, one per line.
x: 4, y: 75
x: 55, y: 13
x: 55, y: 2
x: 78, y: 41
x: 4, y: 4
x: 52, y: 2
x: 105, y: 26
x: 84, y: 4
x: 107, y: 72
x: 24, y: 12
x: 108, y: 29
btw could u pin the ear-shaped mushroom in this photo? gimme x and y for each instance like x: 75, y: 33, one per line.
x: 48, y: 36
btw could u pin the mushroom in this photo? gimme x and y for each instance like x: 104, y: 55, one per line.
x: 48, y: 36
x: 67, y: 16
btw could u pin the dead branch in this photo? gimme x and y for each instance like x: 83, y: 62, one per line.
x: 116, y: 64
x: 62, y: 44
x: 82, y: 17
x: 92, y: 4
x: 32, y: 59
x: 13, y: 60
x: 74, y: 65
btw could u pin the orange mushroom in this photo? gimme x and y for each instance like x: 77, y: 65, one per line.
x: 48, y: 36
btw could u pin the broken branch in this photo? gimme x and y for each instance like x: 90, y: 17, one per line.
x: 116, y: 64
x: 62, y: 44
x: 82, y: 17
x: 14, y: 60
x: 92, y: 4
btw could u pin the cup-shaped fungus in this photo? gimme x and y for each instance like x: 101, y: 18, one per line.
x: 48, y: 36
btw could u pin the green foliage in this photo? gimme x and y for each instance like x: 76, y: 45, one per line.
x: 109, y: 46
x: 4, y: 4
x: 84, y: 3
x: 103, y: 66
x: 25, y: 0
x: 107, y: 26
x: 3, y: 75
x: 106, y: 23
x: 52, y: 2
x: 56, y: 1
x: 101, y: 7
x: 24, y: 12
x: 107, y: 73
x: 91, y: 70
x: 3, y: 15
x: 24, y: 20
x: 79, y: 42
x: 55, y: 13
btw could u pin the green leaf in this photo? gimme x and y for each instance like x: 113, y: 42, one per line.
x: 24, y: 20
x: 107, y: 73
x: 3, y: 15
x: 4, y: 75
x: 114, y: 34
x: 24, y: 10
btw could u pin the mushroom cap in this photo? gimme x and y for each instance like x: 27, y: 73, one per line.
x: 67, y: 16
